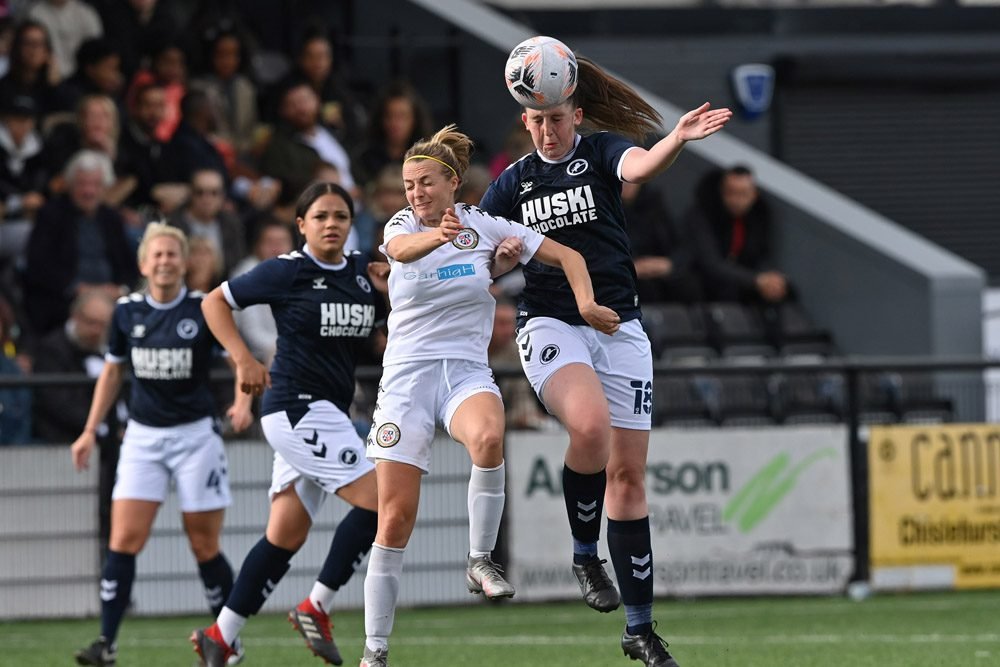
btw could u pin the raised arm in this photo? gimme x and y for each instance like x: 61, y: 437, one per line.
x: 573, y: 265
x: 251, y: 376
x: 109, y: 382
x: 641, y: 165
x: 407, y: 248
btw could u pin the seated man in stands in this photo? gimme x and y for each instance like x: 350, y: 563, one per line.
x: 731, y: 224
x: 663, y: 253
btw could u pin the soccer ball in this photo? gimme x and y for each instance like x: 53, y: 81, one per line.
x: 541, y: 72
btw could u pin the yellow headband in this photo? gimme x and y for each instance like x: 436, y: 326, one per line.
x: 428, y: 157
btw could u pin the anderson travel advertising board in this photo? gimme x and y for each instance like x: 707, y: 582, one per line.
x: 735, y: 511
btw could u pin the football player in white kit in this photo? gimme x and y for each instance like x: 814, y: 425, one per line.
x: 441, y: 256
x: 171, y: 433
x: 599, y: 387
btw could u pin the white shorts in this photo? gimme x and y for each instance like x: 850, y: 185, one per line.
x: 623, y: 363
x: 414, y: 398
x: 191, y: 454
x: 319, y: 454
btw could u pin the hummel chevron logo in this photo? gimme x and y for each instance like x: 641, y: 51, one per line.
x: 214, y: 596
x: 318, y: 453
x: 109, y: 590
x: 526, y: 349
x: 586, y: 507
x: 646, y: 571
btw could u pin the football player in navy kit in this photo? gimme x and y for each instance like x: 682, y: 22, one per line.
x: 599, y: 387
x: 442, y: 256
x: 170, y: 434
x: 324, y: 305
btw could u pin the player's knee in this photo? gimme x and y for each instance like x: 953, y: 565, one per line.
x: 395, y: 526
x: 589, y: 431
x: 627, y: 485
x: 486, y: 448
x: 204, y: 547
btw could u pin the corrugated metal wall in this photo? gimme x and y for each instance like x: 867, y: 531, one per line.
x: 919, y: 147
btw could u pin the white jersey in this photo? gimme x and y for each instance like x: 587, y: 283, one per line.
x: 441, y: 305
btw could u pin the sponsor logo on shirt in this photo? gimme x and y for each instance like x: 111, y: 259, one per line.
x: 443, y: 273
x: 562, y: 209
x: 346, y: 319
x: 162, y: 363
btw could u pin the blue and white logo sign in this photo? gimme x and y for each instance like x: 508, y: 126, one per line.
x: 753, y: 86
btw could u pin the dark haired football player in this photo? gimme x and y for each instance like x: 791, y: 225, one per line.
x: 599, y: 387
x: 325, y: 306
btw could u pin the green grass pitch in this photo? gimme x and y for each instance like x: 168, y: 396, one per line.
x: 940, y: 629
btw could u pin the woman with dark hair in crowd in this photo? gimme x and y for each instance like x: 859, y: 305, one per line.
x: 33, y: 70
x: 398, y: 120
x: 230, y: 88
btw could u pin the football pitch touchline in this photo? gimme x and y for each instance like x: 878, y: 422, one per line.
x: 27, y: 641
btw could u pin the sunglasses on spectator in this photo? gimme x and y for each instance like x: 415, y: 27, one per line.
x: 214, y: 192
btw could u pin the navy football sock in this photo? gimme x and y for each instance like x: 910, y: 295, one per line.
x: 352, y: 540
x: 584, y: 495
x: 217, y: 577
x: 632, y: 556
x: 116, y: 591
x: 262, y: 569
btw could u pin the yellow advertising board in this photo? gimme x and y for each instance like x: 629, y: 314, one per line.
x: 935, y: 505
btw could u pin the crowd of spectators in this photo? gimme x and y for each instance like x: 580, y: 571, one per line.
x: 113, y: 114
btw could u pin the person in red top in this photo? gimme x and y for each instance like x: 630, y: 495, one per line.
x: 731, y: 225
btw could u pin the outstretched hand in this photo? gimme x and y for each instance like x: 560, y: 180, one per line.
x: 601, y: 318
x: 702, y: 122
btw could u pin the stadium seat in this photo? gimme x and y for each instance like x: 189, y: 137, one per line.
x: 740, y: 399
x: 736, y: 330
x: 677, y: 401
x: 677, y: 333
x: 808, y: 398
x: 794, y: 334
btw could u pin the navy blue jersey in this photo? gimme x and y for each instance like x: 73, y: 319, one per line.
x: 323, y: 315
x: 170, y: 349
x: 577, y: 202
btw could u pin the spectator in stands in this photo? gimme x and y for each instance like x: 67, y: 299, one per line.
x: 204, y: 266
x: 477, y: 180
x: 33, y: 70
x: 256, y: 323
x: 731, y: 224
x: 230, y: 89
x: 135, y: 24
x: 192, y: 146
x: 399, y: 119
x: 300, y: 143
x: 385, y: 196
x: 96, y: 128
x: 60, y: 411
x: 169, y: 70
x: 70, y: 23
x: 15, y: 402
x: 23, y: 173
x: 98, y: 71
x: 339, y: 110
x: 143, y: 158
x: 6, y: 39
x: 663, y: 255
x: 205, y: 216
x: 516, y: 145
x: 77, y: 243
x: 520, y: 405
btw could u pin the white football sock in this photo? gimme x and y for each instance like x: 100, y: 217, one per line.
x: 230, y: 623
x: 385, y: 565
x: 321, y: 596
x: 486, y: 499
